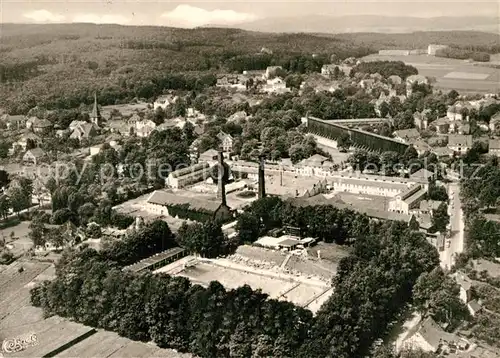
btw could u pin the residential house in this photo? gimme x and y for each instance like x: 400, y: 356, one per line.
x: 273, y: 71
x: 495, y: 122
x: 118, y: 126
x: 418, y: 79
x: 275, y: 85
x: 238, y: 117
x: 14, y: 122
x: 395, y: 80
x: 423, y: 176
x: 428, y: 206
x: 407, y: 135
x: 144, y: 128
x: 193, y: 113
x: 27, y: 137
x: 430, y: 337
x: 421, y: 147
x: 132, y: 121
x: 414, y: 79
x: 164, y: 101
x: 465, y: 284
x: 209, y: 156
x: 227, y: 141
x: 60, y: 133
x: 458, y: 112
x: 346, y: 70
x: 75, y: 124
x: 33, y: 156
x: 474, y: 307
x: 38, y: 125
x: 442, y: 125
x: 463, y: 128
x: 311, y: 165
x: 237, y: 82
x: 421, y: 119
x: 84, y: 131
x: 459, y: 143
x: 443, y: 152
x: 257, y: 74
x: 367, y: 84
x: 328, y: 69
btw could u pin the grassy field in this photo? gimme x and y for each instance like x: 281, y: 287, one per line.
x: 451, y: 73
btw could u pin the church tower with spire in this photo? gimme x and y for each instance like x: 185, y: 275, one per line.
x: 95, y: 115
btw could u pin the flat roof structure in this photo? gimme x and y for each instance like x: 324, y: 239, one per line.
x: 157, y: 260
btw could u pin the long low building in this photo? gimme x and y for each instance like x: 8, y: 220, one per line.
x: 167, y: 203
x: 371, y: 141
x: 189, y: 175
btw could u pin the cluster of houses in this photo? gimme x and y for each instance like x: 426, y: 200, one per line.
x: 269, y: 81
x: 429, y: 336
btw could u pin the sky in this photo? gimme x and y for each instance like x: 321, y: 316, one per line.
x: 203, y: 12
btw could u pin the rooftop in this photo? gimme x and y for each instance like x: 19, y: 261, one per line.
x: 163, y: 197
x: 429, y: 205
x: 422, y: 176
x: 434, y: 335
x: 459, y: 140
x: 407, y: 134
x: 150, y: 261
x: 191, y: 169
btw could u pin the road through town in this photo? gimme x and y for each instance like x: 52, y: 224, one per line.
x: 456, y: 243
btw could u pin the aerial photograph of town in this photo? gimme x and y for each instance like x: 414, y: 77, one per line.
x: 282, y: 179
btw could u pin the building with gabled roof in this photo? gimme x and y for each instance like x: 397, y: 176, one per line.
x: 227, y: 141
x: 407, y: 135
x: 430, y: 337
x: 33, y: 156
x: 494, y: 147
x: 460, y: 143
x: 84, y: 131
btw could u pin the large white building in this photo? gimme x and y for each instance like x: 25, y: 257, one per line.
x: 189, y: 175
x: 433, y: 48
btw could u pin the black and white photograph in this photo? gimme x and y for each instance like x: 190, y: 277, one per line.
x: 249, y: 179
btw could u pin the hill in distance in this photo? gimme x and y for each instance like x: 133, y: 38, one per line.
x: 370, y: 23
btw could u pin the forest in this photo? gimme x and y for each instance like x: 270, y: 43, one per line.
x: 124, y: 62
x: 377, y: 278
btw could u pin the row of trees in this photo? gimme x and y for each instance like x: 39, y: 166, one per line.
x: 324, y: 222
x: 463, y: 54
x: 386, y: 69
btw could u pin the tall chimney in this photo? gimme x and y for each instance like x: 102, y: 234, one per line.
x: 262, y: 184
x: 221, y: 189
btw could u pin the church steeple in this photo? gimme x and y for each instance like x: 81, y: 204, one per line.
x: 95, y: 115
